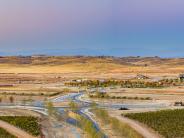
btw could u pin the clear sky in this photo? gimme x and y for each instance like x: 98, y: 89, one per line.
x: 92, y: 27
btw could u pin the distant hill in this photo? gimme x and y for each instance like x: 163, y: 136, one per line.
x: 104, y: 64
x: 60, y: 60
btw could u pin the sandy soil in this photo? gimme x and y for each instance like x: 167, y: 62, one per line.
x: 168, y: 95
x: 18, y: 112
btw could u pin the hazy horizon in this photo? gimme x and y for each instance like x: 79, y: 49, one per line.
x: 106, y: 27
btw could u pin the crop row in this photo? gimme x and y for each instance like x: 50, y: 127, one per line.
x: 5, y: 134
x: 169, y: 123
x: 29, y: 124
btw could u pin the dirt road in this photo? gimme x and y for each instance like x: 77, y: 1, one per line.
x: 145, y: 132
x: 15, y: 131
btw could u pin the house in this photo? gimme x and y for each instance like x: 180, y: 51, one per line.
x: 181, y: 76
x: 39, y: 56
x: 141, y: 77
x: 102, y: 81
x: 178, y: 104
x: 102, y: 90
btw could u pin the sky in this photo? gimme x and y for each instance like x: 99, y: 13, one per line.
x: 92, y: 27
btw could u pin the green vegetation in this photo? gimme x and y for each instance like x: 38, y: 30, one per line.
x: 169, y: 123
x: 5, y: 134
x: 31, y: 94
x: 105, y: 95
x: 74, y: 106
x: 11, y: 99
x: 89, y: 128
x: 29, y: 124
x: 112, y: 83
x: 85, y: 124
x: 50, y: 108
x: 172, y: 82
x: 120, y: 128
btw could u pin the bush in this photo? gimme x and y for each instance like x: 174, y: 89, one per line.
x: 105, y: 95
x: 122, y: 83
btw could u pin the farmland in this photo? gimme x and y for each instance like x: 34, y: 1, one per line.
x: 169, y: 123
x: 5, y: 134
x: 118, y: 128
x: 113, y: 83
x: 29, y: 124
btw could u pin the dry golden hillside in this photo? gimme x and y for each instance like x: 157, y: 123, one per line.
x: 80, y: 64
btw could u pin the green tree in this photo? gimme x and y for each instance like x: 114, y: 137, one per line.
x: 50, y: 108
x: 11, y: 99
x: 94, y: 105
x: 24, y: 101
x: 74, y: 106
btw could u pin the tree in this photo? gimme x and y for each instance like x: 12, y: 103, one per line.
x: 11, y: 99
x: 50, y: 108
x: 94, y: 105
x: 66, y: 90
x: 73, y: 106
x: 24, y: 101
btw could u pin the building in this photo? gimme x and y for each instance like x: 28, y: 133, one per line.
x: 141, y: 77
x: 181, y: 76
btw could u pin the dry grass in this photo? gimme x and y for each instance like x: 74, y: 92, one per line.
x: 90, y: 64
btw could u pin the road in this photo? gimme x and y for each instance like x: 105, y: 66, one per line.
x: 58, y: 127
x: 145, y: 132
x: 14, y: 130
x: 84, y: 110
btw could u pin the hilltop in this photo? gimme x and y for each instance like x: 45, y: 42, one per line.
x: 90, y: 65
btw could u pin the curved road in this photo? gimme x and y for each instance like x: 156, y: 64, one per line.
x: 42, y: 111
x: 145, y: 132
x: 15, y: 131
x: 77, y: 97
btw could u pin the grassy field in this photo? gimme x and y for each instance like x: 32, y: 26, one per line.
x: 5, y: 134
x: 168, y: 123
x: 29, y: 124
